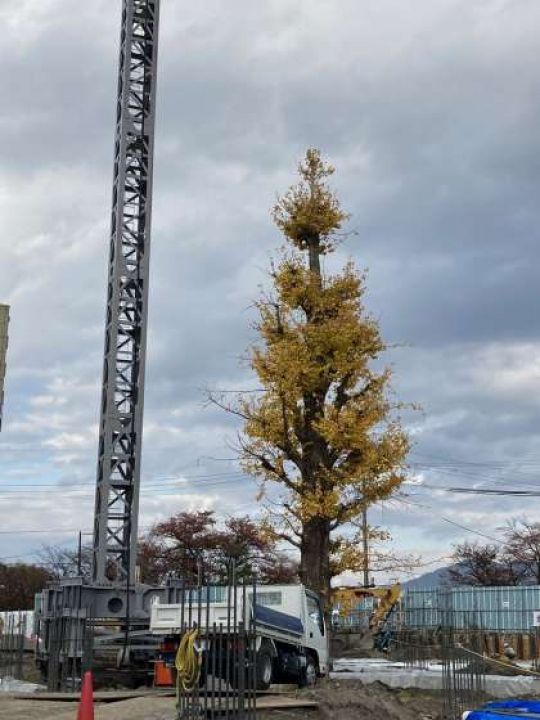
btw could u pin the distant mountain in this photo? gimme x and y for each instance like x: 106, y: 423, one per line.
x: 429, y: 580
x: 440, y: 577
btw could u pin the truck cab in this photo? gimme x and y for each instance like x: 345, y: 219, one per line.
x: 291, y: 638
x: 316, y: 632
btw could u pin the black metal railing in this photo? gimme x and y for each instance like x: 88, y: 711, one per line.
x: 70, y: 643
x: 216, y: 663
x: 464, y: 676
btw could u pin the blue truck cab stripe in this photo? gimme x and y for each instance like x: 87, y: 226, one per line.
x: 278, y: 620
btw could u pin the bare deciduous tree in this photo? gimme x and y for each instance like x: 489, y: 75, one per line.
x: 477, y: 564
x: 522, y: 548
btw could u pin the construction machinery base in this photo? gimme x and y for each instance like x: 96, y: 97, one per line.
x: 80, y: 625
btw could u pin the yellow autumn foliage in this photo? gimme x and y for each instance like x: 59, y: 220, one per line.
x: 324, y: 427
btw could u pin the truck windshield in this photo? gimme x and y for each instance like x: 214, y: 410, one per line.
x: 314, y: 611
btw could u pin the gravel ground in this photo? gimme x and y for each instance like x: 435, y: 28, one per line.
x: 137, y: 709
x: 339, y: 700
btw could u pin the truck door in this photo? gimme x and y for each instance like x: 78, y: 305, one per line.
x: 315, y: 630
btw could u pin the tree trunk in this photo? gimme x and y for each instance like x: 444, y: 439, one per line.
x: 315, y: 556
x: 315, y: 255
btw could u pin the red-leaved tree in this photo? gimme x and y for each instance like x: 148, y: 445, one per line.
x: 191, y: 543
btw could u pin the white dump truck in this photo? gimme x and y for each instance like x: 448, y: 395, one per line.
x: 290, y: 640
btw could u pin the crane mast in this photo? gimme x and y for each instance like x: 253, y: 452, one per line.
x: 122, y: 398
x: 112, y: 592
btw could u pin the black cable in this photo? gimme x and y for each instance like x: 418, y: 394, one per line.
x: 451, y: 522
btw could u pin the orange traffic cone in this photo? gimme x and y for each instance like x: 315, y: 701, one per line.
x: 86, y: 704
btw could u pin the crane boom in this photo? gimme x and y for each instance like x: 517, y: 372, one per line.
x: 122, y: 399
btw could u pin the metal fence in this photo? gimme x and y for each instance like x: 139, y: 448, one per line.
x: 211, y: 659
x: 222, y: 679
x: 464, y: 676
x: 500, y: 609
x: 472, y: 632
x: 461, y: 662
x: 414, y: 649
x: 70, y: 643
x: 16, y: 646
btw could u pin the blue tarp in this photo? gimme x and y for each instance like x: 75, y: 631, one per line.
x: 509, y: 709
x: 519, y: 705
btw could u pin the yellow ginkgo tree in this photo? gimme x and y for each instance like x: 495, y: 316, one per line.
x: 323, y: 427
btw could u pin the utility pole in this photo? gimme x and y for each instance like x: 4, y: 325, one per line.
x: 79, y: 554
x: 4, y: 322
x: 365, y: 540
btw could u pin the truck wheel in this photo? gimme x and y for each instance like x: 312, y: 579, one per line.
x: 312, y: 672
x: 265, y: 669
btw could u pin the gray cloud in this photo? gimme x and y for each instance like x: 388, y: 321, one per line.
x: 430, y: 117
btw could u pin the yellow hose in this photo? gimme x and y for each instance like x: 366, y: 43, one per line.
x: 188, y: 663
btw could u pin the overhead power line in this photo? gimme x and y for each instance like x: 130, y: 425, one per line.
x: 481, y: 491
x: 180, y: 477
x: 445, y: 470
x: 148, y: 488
x: 449, y: 521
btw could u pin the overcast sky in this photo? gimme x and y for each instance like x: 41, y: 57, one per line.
x: 429, y: 109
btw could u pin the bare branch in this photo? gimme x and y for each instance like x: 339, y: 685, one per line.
x: 212, y: 400
x: 269, y: 467
x: 287, y: 538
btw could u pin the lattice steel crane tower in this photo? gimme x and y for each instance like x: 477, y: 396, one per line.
x: 112, y: 591
x: 122, y: 397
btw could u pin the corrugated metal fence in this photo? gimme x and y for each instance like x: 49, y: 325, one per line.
x: 499, y: 609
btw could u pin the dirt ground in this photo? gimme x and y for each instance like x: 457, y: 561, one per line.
x: 351, y: 700
x: 137, y: 709
x: 339, y: 700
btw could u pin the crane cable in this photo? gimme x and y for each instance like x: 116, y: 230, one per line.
x: 188, y: 663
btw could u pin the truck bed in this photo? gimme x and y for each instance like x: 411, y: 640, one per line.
x: 168, y: 620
